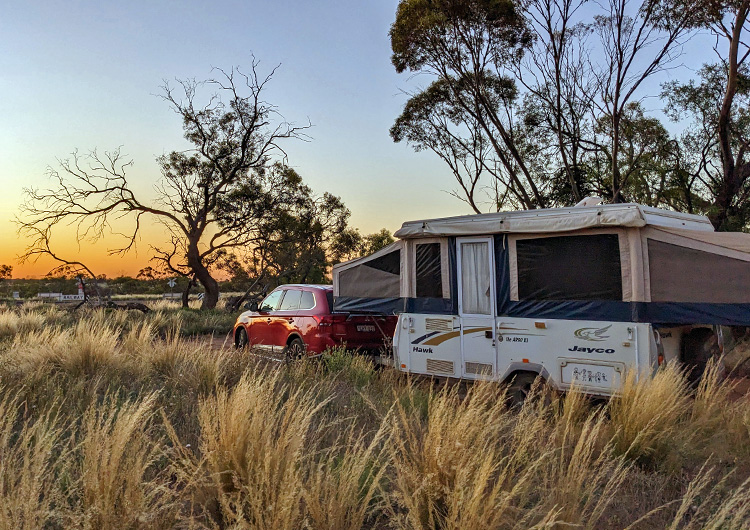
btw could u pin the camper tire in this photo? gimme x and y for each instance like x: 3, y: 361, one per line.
x: 519, y: 388
x: 697, y: 348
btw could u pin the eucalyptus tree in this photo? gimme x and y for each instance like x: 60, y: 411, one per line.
x: 467, y: 114
x: 637, y: 40
x: 728, y: 21
x: 233, y: 136
x: 520, y: 89
x: 721, y: 188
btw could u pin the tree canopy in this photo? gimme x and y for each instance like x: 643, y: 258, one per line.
x: 228, y: 194
x: 538, y: 103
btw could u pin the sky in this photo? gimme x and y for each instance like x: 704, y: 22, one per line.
x: 86, y: 74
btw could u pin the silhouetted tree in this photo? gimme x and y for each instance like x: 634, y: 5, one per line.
x: 234, y: 135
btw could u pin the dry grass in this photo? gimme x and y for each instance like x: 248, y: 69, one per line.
x: 475, y: 464
x: 30, y: 451
x: 117, y: 487
x: 111, y: 421
x: 647, y: 415
x: 253, y: 442
x: 32, y: 318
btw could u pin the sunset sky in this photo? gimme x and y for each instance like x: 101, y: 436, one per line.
x: 84, y: 74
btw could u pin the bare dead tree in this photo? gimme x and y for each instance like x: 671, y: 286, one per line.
x: 234, y: 135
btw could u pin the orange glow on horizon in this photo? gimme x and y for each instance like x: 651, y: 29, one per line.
x: 94, y: 255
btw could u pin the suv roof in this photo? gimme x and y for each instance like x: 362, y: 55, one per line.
x: 307, y: 286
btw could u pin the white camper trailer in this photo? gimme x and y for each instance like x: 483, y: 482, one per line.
x: 577, y: 295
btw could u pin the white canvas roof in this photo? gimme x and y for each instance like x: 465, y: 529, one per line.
x: 730, y: 240
x: 555, y: 220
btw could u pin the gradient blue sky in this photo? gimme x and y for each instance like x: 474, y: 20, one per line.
x: 83, y: 74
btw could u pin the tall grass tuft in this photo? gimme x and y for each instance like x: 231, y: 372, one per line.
x: 253, y: 441
x: 30, y: 452
x: 119, y: 486
x: 342, y: 489
x: 647, y: 414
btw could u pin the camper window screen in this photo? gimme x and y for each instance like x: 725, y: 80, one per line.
x: 429, y: 276
x: 569, y: 268
x: 377, y: 278
x: 680, y: 274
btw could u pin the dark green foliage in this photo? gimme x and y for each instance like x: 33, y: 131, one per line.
x: 425, y: 29
x: 700, y: 101
x: 349, y: 244
x: 524, y: 113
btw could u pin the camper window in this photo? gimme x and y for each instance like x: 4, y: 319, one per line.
x: 569, y: 268
x: 376, y: 278
x: 681, y: 274
x: 475, y: 279
x: 429, y: 271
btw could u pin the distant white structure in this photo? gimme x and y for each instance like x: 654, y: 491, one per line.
x: 71, y: 297
x: 171, y: 296
x: 56, y: 296
x: 61, y: 297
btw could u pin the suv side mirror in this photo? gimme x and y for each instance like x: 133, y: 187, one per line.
x: 251, y: 306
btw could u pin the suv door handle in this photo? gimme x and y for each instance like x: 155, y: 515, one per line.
x: 268, y: 320
x: 290, y: 319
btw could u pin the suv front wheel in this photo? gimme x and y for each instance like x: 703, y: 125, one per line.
x: 240, y: 341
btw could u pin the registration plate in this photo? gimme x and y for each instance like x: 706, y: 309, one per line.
x: 366, y: 328
x: 590, y: 375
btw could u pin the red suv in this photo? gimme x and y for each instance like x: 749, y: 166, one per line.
x: 298, y: 321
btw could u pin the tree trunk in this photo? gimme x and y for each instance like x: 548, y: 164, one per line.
x: 729, y: 185
x: 186, y: 293
x: 202, y: 274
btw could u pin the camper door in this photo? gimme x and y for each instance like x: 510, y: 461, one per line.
x: 476, y: 307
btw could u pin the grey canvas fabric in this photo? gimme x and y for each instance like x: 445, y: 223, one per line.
x: 682, y: 274
x: 367, y: 282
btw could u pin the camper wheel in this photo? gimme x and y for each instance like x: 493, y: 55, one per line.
x: 697, y: 348
x: 520, y: 387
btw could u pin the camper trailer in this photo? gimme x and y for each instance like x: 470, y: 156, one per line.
x: 578, y: 295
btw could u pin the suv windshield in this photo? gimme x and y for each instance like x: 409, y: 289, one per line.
x: 271, y: 302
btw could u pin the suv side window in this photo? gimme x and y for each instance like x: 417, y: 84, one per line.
x: 271, y: 301
x: 291, y: 300
x: 307, y: 301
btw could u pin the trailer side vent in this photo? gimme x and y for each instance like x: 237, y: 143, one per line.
x: 479, y: 369
x: 438, y: 324
x: 437, y: 366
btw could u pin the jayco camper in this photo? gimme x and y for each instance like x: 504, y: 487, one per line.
x: 577, y: 295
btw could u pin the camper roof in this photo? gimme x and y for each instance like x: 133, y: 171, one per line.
x: 554, y: 220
